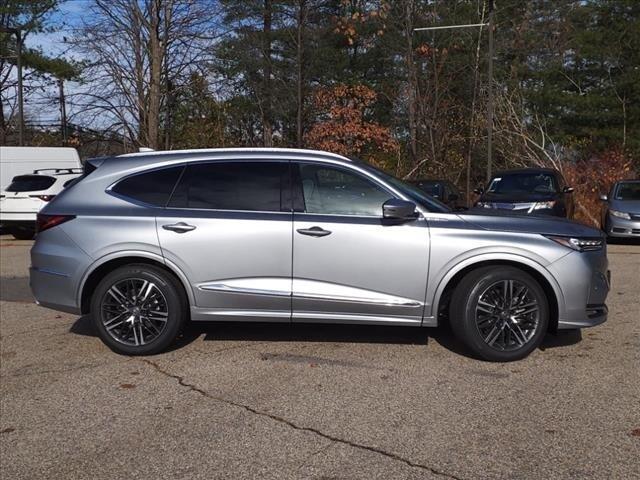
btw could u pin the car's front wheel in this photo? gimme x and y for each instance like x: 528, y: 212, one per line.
x: 500, y: 313
x: 138, y: 309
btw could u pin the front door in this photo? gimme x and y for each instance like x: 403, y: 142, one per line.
x: 228, y: 228
x: 350, y: 265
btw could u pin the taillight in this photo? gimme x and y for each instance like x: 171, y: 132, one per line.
x: 44, y: 198
x: 45, y: 222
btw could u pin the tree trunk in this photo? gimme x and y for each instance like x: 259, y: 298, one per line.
x: 267, y: 127
x: 302, y: 14
x: 155, y: 70
x: 138, y: 49
x: 412, y: 83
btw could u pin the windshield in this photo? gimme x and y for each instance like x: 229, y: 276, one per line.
x: 431, y: 188
x: 510, y: 183
x: 414, y: 193
x: 628, y: 191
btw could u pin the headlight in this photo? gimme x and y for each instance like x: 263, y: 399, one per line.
x: 579, y: 244
x: 544, y: 205
x: 618, y: 214
x: 483, y: 204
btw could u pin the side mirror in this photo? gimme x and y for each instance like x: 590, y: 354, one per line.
x: 479, y: 190
x: 604, y: 198
x: 567, y: 190
x: 453, y: 197
x: 396, y: 209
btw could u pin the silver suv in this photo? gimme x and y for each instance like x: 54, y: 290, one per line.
x: 148, y: 241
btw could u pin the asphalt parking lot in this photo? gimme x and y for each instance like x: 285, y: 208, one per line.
x: 323, y: 402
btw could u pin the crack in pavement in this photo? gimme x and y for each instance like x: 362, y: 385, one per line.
x: 291, y: 424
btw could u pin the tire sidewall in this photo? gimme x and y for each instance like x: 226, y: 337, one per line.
x: 175, y: 303
x: 472, y: 335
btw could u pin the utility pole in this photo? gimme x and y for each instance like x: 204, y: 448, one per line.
x: 490, y: 94
x: 63, y: 112
x: 18, y: 33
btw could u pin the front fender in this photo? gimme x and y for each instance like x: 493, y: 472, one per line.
x: 477, y: 257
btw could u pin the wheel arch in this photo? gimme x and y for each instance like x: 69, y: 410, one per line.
x: 108, y: 263
x: 538, y: 272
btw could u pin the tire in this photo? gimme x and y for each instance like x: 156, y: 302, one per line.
x: 23, y: 233
x: 131, y: 325
x: 477, y: 313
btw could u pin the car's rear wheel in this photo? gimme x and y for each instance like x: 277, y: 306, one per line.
x: 138, y: 309
x: 500, y: 313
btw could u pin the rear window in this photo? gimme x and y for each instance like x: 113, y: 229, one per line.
x: 254, y: 186
x: 30, y: 183
x: 153, y: 187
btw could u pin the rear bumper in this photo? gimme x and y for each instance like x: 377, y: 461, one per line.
x: 57, y: 265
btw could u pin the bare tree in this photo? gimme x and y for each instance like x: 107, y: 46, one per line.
x: 137, y: 48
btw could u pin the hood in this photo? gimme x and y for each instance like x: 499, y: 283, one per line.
x: 503, y: 222
x: 517, y: 197
x: 628, y: 206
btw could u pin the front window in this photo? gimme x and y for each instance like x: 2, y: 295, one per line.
x: 334, y: 191
x: 416, y: 195
x: 628, y: 191
x: 513, y: 183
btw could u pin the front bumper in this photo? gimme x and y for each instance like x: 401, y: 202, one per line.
x: 621, y: 228
x: 584, y: 280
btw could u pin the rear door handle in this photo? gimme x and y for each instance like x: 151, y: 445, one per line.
x: 314, y: 232
x: 179, y: 227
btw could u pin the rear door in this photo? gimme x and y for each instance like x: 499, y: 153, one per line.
x: 350, y: 265
x: 228, y: 228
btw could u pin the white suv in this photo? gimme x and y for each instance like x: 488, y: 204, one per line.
x: 21, y: 201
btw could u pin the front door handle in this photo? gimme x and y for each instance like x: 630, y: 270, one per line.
x: 179, y: 227
x: 314, y: 232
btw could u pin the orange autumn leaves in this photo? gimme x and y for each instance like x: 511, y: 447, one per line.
x: 342, y: 125
x: 593, y: 177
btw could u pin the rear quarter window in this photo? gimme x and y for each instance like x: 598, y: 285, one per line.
x: 153, y: 187
x: 30, y: 183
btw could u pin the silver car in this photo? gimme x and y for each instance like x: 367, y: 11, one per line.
x: 148, y: 241
x: 621, y: 217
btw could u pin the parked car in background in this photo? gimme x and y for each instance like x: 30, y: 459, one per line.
x: 539, y: 191
x: 621, y: 215
x: 442, y: 190
x: 145, y: 242
x: 16, y: 161
x: 25, y: 196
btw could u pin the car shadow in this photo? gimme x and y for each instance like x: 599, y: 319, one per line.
x: 327, y: 333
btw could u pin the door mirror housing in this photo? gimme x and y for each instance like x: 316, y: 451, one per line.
x: 604, y: 198
x: 567, y: 190
x: 479, y: 190
x: 396, y: 209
